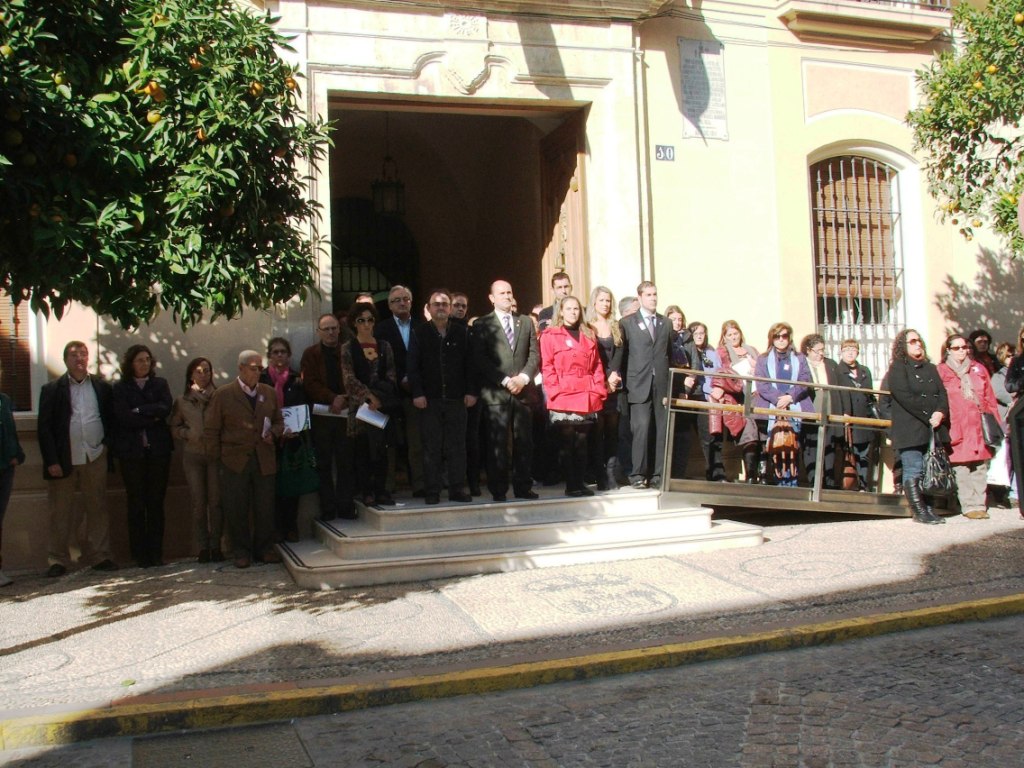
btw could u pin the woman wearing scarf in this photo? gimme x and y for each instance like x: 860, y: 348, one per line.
x: 781, y: 361
x: 737, y: 357
x: 970, y: 393
x: 186, y: 424
x: 288, y: 386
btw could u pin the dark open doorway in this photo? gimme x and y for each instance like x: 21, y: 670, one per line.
x: 475, y: 192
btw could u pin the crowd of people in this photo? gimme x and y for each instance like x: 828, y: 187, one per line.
x: 575, y: 392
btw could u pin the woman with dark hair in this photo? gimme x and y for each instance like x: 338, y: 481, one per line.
x: 969, y: 391
x: 706, y: 358
x: 783, y: 362
x: 286, y: 382
x: 368, y: 373
x: 605, y: 436
x: 824, y: 370
x: 1015, y: 418
x: 918, y: 406
x: 574, y: 383
x: 143, y: 445
x: 738, y: 358
x: 186, y: 423
x: 861, y: 404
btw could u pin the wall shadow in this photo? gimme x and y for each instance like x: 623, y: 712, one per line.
x: 992, y: 301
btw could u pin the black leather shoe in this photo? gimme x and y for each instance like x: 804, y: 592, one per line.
x: 526, y: 495
x: 463, y: 497
x: 56, y: 570
x: 474, y: 490
x: 638, y: 484
x: 385, y: 500
x: 110, y: 565
x: 500, y: 498
x: 432, y: 498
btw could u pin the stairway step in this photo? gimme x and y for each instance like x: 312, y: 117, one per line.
x: 315, y: 566
x: 360, y: 540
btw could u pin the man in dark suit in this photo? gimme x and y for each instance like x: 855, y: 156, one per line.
x: 397, y: 331
x: 561, y: 286
x: 75, y: 427
x: 506, y: 357
x: 646, y: 337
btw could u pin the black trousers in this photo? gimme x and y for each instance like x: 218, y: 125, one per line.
x: 145, y: 485
x: 509, y: 430
x: 649, y: 422
x: 333, y: 449
x: 443, y: 431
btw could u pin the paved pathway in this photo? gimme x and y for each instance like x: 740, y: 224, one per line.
x: 949, y: 696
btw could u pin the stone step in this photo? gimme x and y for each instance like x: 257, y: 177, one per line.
x: 353, y: 540
x: 553, y: 506
x: 313, y: 565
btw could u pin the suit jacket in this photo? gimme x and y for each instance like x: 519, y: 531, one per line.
x: 646, y: 360
x: 55, y: 420
x: 387, y: 330
x: 314, y: 375
x: 233, y: 429
x: 494, y: 360
x: 139, y: 411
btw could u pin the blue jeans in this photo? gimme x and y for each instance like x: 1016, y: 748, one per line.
x: 913, y: 462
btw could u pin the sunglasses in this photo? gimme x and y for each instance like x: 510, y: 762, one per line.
x: 958, y: 347
x: 781, y: 336
x: 913, y: 341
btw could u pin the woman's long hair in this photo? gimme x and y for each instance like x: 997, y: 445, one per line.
x: 130, y: 354
x: 727, y: 326
x: 591, y: 313
x: 192, y: 365
x: 778, y: 328
x: 582, y: 325
x: 899, y: 345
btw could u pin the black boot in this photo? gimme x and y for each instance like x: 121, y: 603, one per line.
x: 750, y: 459
x: 611, y: 469
x: 915, y: 498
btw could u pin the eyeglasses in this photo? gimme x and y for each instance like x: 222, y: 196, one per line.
x: 957, y: 348
x: 399, y: 300
x: 364, y: 320
x: 279, y: 351
x: 818, y: 350
x: 330, y: 329
x: 913, y: 341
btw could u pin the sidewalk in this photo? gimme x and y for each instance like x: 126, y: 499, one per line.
x: 191, y: 645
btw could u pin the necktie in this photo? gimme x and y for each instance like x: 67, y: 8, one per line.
x: 650, y: 326
x: 508, y: 331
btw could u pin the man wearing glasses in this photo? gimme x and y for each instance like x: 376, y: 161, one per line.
x: 398, y: 332
x: 321, y: 378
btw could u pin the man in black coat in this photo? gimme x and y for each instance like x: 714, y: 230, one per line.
x: 506, y: 359
x: 646, y: 355
x: 75, y: 427
x: 397, y: 331
x: 440, y: 370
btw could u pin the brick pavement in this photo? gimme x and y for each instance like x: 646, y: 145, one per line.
x: 948, y: 696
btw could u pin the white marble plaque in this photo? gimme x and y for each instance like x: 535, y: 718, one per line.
x: 702, y: 80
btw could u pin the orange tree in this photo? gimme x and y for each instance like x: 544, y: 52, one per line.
x: 968, y: 123
x: 151, y: 157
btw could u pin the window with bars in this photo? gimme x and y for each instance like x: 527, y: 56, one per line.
x: 15, y: 358
x: 857, y: 264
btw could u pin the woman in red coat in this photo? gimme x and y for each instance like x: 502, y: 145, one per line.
x: 575, y: 386
x: 970, y: 393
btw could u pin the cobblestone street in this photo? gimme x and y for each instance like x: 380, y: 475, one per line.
x: 950, y: 696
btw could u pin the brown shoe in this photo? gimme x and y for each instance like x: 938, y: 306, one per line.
x: 242, y: 562
x: 271, y: 556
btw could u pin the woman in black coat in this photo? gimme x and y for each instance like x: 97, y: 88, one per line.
x: 919, y: 407
x: 861, y: 404
x: 143, y: 445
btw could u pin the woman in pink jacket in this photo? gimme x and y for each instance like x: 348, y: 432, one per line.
x: 970, y: 394
x: 574, y: 384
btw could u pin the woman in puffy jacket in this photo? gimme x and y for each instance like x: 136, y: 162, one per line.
x: 970, y: 394
x: 574, y: 382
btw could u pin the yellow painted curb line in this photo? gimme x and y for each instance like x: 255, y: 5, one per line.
x: 217, y: 711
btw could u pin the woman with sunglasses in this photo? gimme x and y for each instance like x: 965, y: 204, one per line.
x: 969, y: 390
x: 918, y: 405
x: 368, y: 373
x: 783, y: 362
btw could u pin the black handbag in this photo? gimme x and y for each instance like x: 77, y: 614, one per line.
x: 937, y: 478
x: 991, y: 430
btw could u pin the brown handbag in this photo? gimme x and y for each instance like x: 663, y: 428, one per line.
x: 849, y: 480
